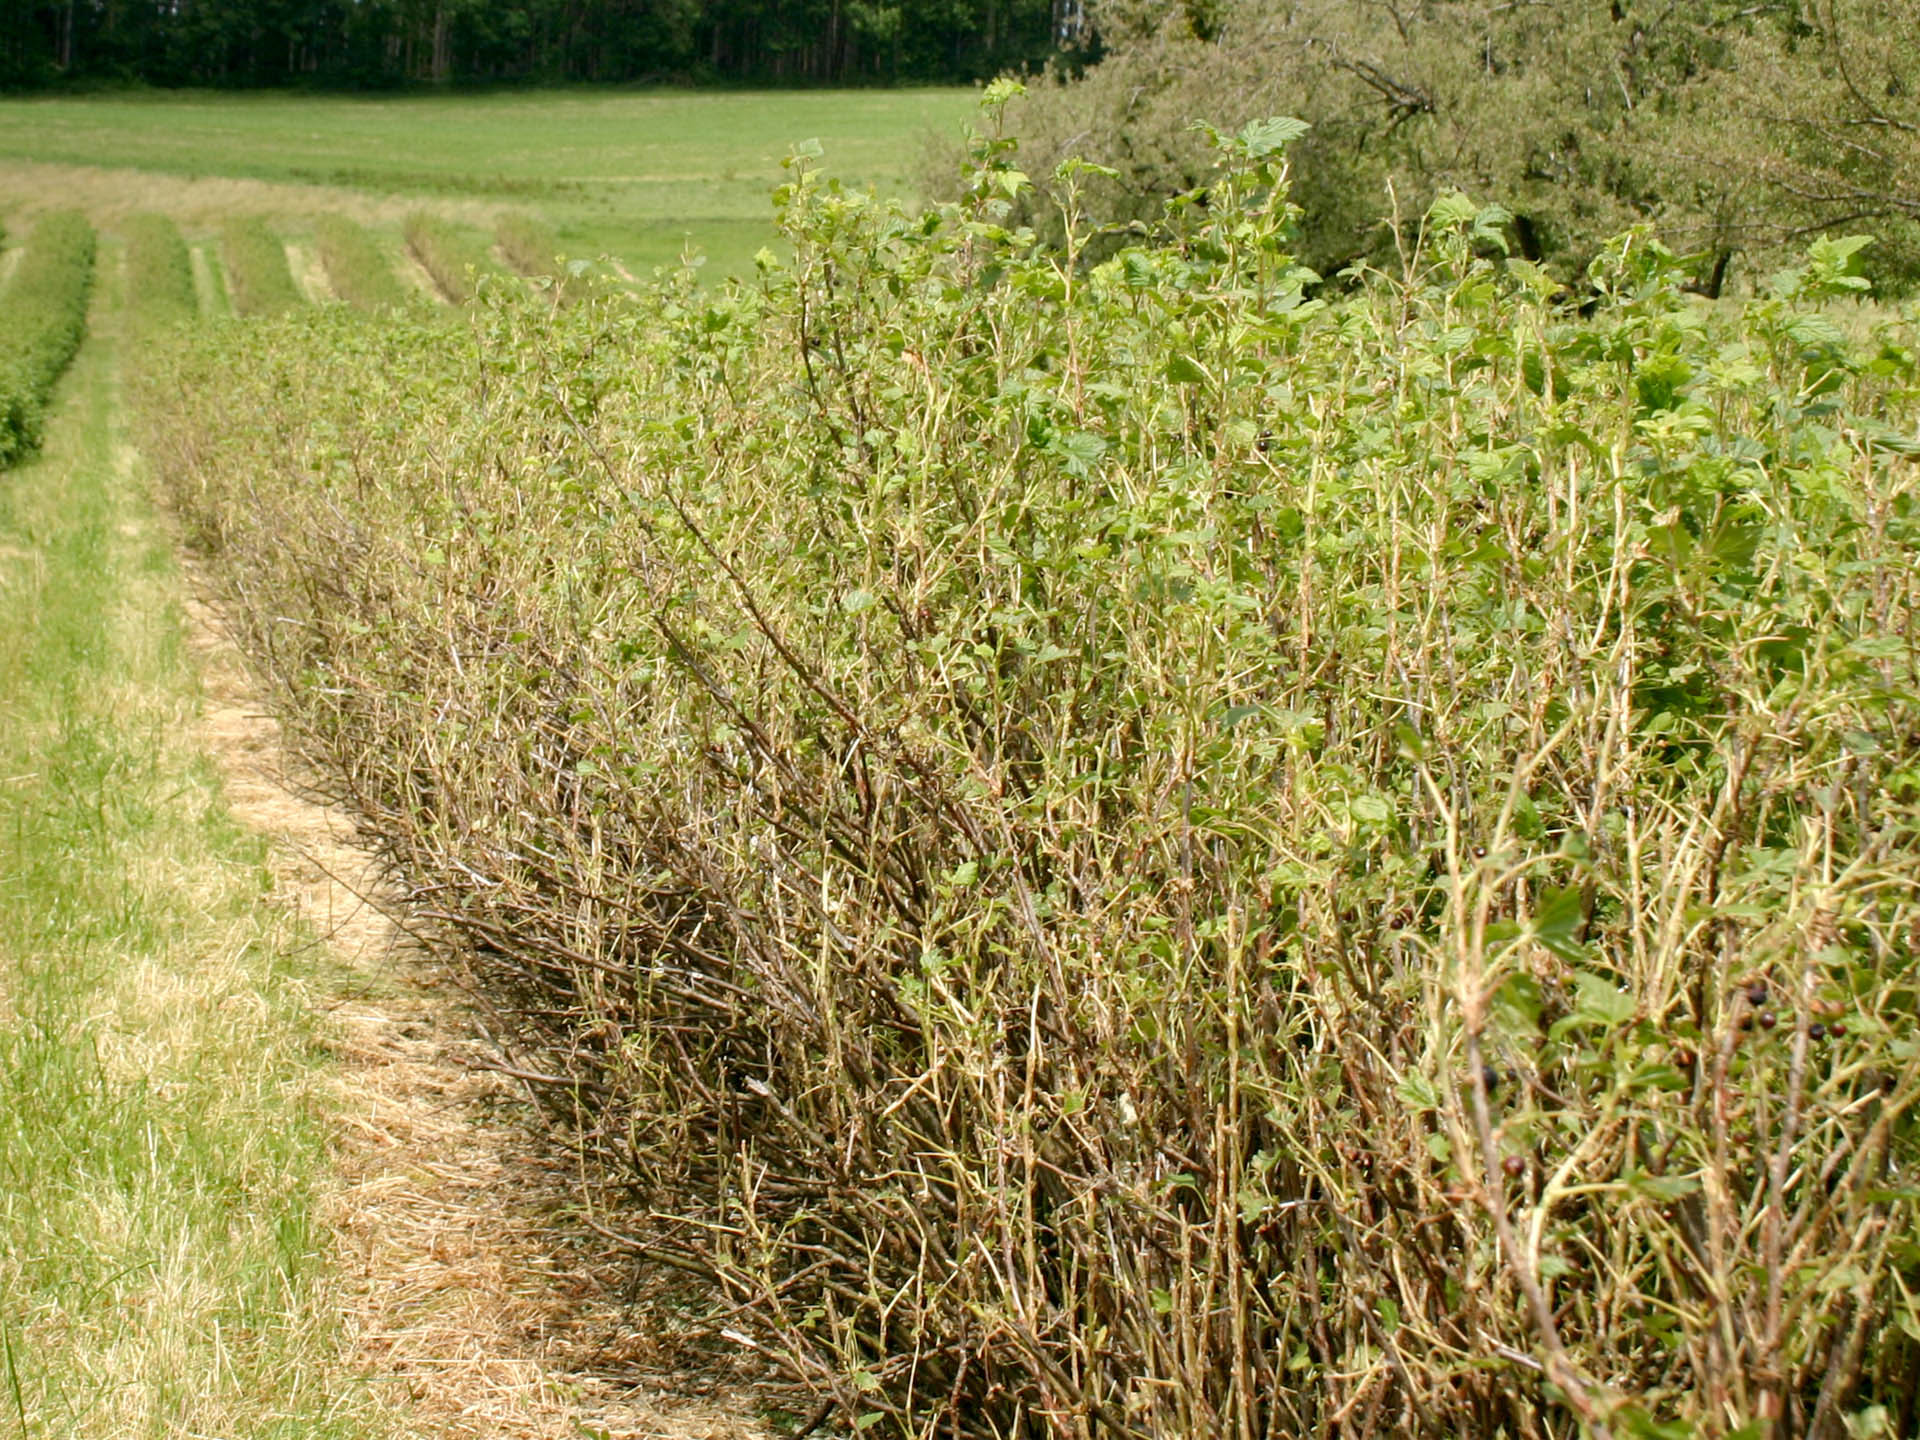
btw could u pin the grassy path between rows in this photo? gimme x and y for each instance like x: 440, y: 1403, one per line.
x: 162, y: 1155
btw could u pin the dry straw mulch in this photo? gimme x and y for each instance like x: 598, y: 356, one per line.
x: 471, y: 1302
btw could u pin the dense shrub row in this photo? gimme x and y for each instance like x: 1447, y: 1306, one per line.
x: 43, y: 315
x: 258, y: 279
x: 359, y: 271
x: 160, y: 289
x: 454, y: 258
x: 1740, y: 131
x: 1120, y: 850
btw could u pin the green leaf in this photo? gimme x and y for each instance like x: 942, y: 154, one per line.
x: 1137, y: 270
x: 1409, y: 743
x: 1556, y: 924
x: 1373, y: 810
x: 1073, y: 166
x: 1417, y: 1090
x: 1184, y: 370
x: 1452, y: 208
x: 1663, y: 1187
x: 1263, y: 137
x: 1816, y: 331
x: 1882, y: 437
x: 1080, y: 449
x: 1516, y: 1005
x: 1600, y: 1001
x: 1632, y: 1420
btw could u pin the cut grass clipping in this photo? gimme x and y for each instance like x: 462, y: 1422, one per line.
x: 160, y: 1255
x: 258, y: 279
x: 455, y: 258
x: 43, y: 315
x: 159, y: 270
x: 358, y: 270
x: 1128, y: 847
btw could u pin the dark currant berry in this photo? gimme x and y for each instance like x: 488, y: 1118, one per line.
x: 1479, y: 852
x: 1746, y: 1022
x: 1768, y: 1019
x: 1757, y: 993
x: 1816, y: 1031
x: 1838, y: 1029
x: 1514, y: 1166
x: 1491, y: 1077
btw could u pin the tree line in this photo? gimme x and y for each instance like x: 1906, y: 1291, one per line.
x: 380, y: 43
x: 1737, y: 129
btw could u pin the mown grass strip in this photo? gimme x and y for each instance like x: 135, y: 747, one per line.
x: 209, y: 284
x: 258, y: 278
x: 161, y: 1259
x: 359, y: 271
x: 43, y: 314
x: 455, y: 258
x: 159, y: 270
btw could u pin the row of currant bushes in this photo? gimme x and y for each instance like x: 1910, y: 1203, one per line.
x: 453, y: 257
x: 43, y: 315
x: 159, y: 270
x: 357, y: 268
x: 1120, y: 850
x: 259, y: 280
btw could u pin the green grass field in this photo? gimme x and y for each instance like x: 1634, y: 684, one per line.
x: 633, y: 175
x: 163, y: 1265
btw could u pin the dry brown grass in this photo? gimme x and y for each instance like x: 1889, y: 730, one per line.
x: 472, y: 1302
x: 109, y: 194
x: 308, y: 273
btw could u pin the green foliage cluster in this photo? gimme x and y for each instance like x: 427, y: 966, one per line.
x: 160, y: 289
x: 359, y: 271
x: 1738, y: 130
x: 455, y: 259
x: 1114, y: 846
x: 43, y: 315
x: 258, y: 279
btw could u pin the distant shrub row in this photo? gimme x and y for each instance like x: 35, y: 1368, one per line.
x: 359, y: 271
x: 530, y: 245
x: 1119, y: 850
x: 43, y: 316
x: 160, y: 289
x: 258, y: 279
x: 453, y: 257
